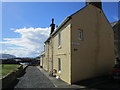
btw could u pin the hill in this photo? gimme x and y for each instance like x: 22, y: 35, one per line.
x: 5, y: 56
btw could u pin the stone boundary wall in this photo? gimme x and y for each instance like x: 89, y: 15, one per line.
x: 10, y: 78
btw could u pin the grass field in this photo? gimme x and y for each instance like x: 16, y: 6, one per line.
x: 7, y: 68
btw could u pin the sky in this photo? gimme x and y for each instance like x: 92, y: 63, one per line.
x: 25, y: 25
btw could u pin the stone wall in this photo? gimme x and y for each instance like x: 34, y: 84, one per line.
x: 10, y: 78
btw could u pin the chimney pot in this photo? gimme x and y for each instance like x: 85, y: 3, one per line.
x: 96, y: 3
x: 52, y: 26
x: 52, y: 21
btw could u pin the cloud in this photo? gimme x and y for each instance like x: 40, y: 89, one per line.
x: 12, y: 29
x: 30, y: 42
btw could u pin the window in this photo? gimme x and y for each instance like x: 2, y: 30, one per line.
x: 44, y: 47
x: 59, y: 39
x: 80, y: 34
x: 59, y: 64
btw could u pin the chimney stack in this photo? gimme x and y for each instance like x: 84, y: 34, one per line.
x: 96, y: 3
x: 52, y: 26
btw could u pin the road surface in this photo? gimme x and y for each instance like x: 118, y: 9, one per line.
x: 33, y: 78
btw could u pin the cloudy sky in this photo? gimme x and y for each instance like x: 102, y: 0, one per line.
x: 25, y: 25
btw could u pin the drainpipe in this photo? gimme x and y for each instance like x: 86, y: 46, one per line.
x: 51, y: 72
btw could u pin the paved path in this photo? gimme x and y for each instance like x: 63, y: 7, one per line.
x: 33, y: 78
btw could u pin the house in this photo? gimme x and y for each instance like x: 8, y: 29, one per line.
x: 42, y: 60
x: 82, y: 47
x: 116, y: 29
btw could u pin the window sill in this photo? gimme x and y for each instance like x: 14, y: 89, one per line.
x: 59, y: 47
x: 59, y: 71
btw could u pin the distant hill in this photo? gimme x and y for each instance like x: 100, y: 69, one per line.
x: 5, y: 56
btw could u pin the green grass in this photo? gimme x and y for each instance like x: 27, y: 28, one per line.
x: 7, y: 68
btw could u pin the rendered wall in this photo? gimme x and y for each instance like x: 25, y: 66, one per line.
x: 63, y: 53
x: 41, y: 61
x: 46, y: 58
x: 94, y: 55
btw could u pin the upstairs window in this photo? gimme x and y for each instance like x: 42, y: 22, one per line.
x: 44, y: 47
x: 80, y: 34
x: 59, y: 39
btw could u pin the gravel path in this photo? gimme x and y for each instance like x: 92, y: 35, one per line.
x: 33, y: 78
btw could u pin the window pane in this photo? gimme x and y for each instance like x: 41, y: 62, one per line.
x: 80, y: 35
x: 59, y: 39
x: 59, y: 64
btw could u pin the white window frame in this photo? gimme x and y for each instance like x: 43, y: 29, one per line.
x: 80, y: 34
x: 59, y: 65
x: 59, y: 39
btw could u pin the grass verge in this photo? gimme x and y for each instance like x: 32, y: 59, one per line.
x: 8, y: 68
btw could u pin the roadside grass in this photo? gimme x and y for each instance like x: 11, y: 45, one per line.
x: 7, y: 68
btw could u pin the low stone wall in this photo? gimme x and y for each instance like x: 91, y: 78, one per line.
x: 10, y: 78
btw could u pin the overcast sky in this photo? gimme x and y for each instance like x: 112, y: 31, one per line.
x: 25, y: 25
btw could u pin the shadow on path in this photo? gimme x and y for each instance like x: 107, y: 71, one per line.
x: 100, y: 83
x: 15, y: 82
